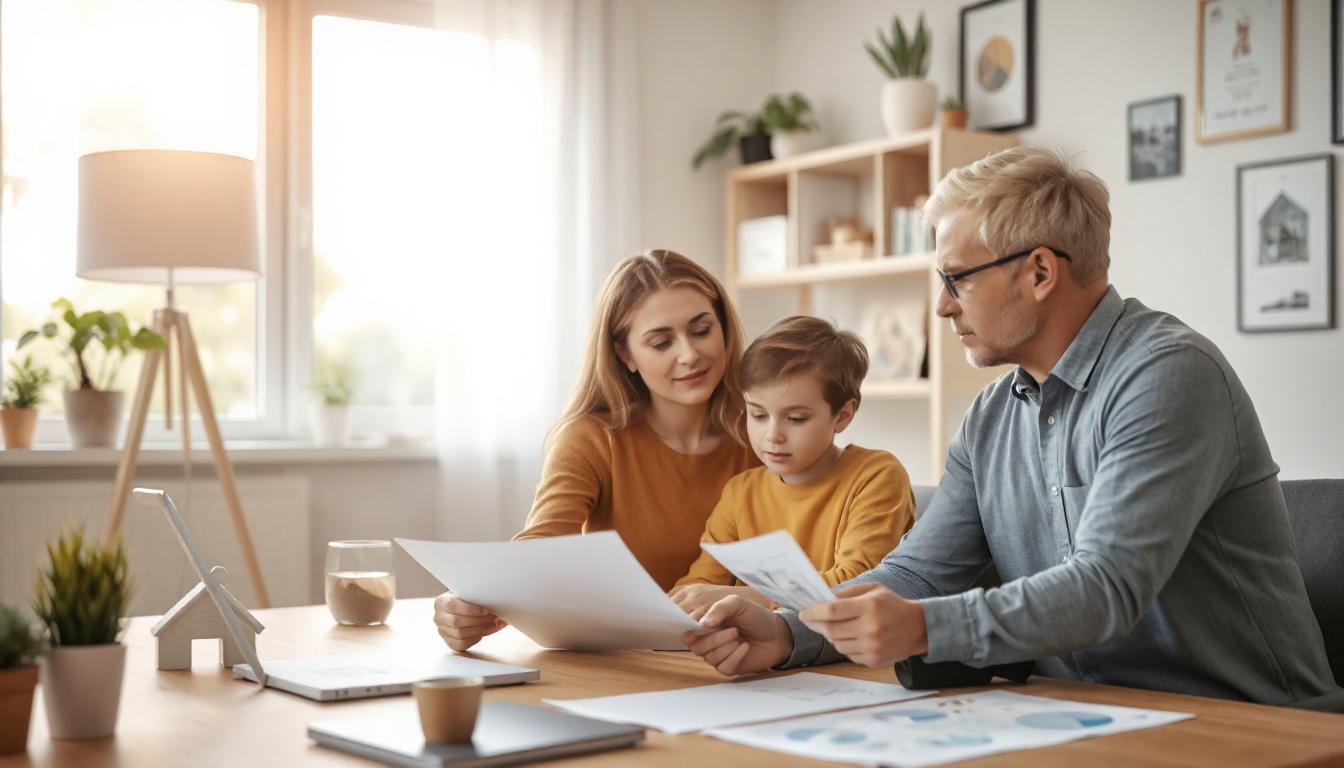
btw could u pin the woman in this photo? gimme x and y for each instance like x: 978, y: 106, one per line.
x: 652, y: 434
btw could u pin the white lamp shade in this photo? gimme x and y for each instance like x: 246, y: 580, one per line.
x: 144, y: 212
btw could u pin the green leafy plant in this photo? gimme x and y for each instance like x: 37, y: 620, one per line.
x: 952, y: 103
x: 84, y: 591
x: 901, y: 55
x: 108, y: 330
x: 24, y: 385
x: 333, y: 382
x: 779, y: 114
x: 788, y: 114
x: 20, y: 641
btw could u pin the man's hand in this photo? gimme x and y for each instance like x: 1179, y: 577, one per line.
x: 871, y: 625
x: 462, y: 624
x: 695, y: 599
x: 746, y: 637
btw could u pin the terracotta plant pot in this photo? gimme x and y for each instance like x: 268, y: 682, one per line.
x: 16, y: 707
x: 92, y: 416
x: 18, y: 425
x: 955, y: 119
x: 81, y: 688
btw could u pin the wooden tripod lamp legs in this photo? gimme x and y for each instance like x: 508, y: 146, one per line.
x: 168, y: 323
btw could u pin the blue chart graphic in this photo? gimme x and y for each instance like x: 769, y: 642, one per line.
x: 959, y: 740
x: 1063, y: 721
x: 909, y: 715
x: 836, y: 735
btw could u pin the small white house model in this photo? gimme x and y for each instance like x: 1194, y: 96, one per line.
x: 194, y: 617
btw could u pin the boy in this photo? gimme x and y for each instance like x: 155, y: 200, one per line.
x: 847, y: 508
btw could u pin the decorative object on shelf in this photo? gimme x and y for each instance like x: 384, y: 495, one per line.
x: 907, y: 233
x: 92, y: 408
x: 849, y: 239
x: 783, y: 121
x: 908, y: 100
x: 1155, y: 138
x: 81, y: 598
x: 195, y: 617
x: 746, y: 129
x: 1286, y: 244
x: 763, y: 245
x: 167, y: 217
x: 793, y: 128
x: 20, y: 645
x: 333, y: 388
x: 896, y: 338
x: 953, y: 114
x: 1243, y: 66
x: 998, y: 64
x: 18, y: 407
x: 1337, y: 71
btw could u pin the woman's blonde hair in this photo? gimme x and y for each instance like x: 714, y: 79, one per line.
x: 1026, y: 197
x: 607, y: 389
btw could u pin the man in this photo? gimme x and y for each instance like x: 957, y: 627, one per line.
x: 1118, y: 478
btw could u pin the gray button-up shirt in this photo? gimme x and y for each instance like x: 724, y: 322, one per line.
x: 1133, y: 510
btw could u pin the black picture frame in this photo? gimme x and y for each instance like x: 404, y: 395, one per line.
x: 1028, y: 109
x: 1328, y: 287
x: 1137, y: 171
x: 1336, y: 71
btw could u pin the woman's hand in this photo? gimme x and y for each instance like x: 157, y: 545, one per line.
x: 695, y: 599
x: 462, y: 624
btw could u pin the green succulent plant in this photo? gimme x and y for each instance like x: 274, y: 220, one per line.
x: 20, y: 641
x: 83, y: 593
x: 24, y: 384
x: 107, y: 329
x: 333, y: 382
x: 953, y: 103
x: 779, y: 114
x: 901, y: 55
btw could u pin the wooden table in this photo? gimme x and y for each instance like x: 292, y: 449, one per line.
x: 205, y: 717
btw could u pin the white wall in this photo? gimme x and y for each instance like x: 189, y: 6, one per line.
x: 1173, y: 240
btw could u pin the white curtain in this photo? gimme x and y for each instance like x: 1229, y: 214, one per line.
x: 538, y: 203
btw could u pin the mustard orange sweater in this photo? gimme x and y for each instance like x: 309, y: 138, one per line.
x: 846, y: 521
x: 596, y: 479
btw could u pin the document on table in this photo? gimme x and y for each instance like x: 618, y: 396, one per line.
x: 775, y: 566
x: 747, y: 701
x: 941, y: 730
x: 585, y: 592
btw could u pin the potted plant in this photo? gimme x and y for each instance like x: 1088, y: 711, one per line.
x: 907, y: 99
x: 20, y: 645
x: 792, y: 127
x: 92, y: 408
x: 746, y: 129
x: 81, y: 598
x: 18, y: 406
x: 333, y: 387
x: 954, y: 114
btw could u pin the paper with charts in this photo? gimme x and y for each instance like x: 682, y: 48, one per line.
x: 775, y: 566
x: 583, y: 592
x: 948, y: 728
x: 746, y: 701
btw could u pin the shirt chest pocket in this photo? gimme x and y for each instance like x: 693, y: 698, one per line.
x: 1075, y: 499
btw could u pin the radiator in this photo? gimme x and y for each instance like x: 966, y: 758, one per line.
x: 276, y: 510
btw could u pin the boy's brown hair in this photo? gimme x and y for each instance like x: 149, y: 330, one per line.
x: 806, y: 344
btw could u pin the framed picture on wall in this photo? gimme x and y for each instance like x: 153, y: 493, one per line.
x: 1286, y: 244
x: 1155, y: 138
x: 998, y: 77
x: 1337, y: 71
x: 1242, y: 68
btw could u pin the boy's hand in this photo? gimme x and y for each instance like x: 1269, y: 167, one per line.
x: 743, y: 637
x: 871, y: 625
x: 696, y: 599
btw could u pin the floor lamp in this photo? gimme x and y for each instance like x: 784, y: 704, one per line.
x: 171, y: 217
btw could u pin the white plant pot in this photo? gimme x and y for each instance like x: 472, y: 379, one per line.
x: 908, y: 105
x: 81, y: 688
x: 93, y: 417
x: 794, y: 143
x: 330, y: 423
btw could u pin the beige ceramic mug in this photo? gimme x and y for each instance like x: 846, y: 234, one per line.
x: 448, y: 707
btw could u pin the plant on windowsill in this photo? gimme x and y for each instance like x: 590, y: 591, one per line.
x: 92, y: 409
x: 81, y: 597
x: 20, y: 645
x: 954, y: 114
x: 18, y: 406
x: 333, y: 388
x: 907, y: 100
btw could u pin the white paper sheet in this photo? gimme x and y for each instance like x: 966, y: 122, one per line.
x: 775, y: 566
x: 745, y: 701
x: 941, y: 730
x: 576, y: 592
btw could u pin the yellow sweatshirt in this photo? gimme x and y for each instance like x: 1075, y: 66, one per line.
x: 596, y: 479
x: 846, y: 521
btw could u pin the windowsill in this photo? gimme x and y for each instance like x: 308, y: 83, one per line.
x: 240, y: 452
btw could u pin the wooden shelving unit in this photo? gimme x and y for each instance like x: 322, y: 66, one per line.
x: 865, y: 179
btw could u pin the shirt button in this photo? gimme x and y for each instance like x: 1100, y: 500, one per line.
x: 1065, y: 559
x: 1054, y: 490
x: 1050, y: 420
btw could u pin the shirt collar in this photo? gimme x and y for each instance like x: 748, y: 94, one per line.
x: 1075, y: 367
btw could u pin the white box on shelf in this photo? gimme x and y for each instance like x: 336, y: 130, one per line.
x: 763, y: 245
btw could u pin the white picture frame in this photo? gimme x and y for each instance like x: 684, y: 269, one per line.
x: 1243, y: 67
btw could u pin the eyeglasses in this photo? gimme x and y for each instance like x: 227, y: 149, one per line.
x: 950, y: 280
